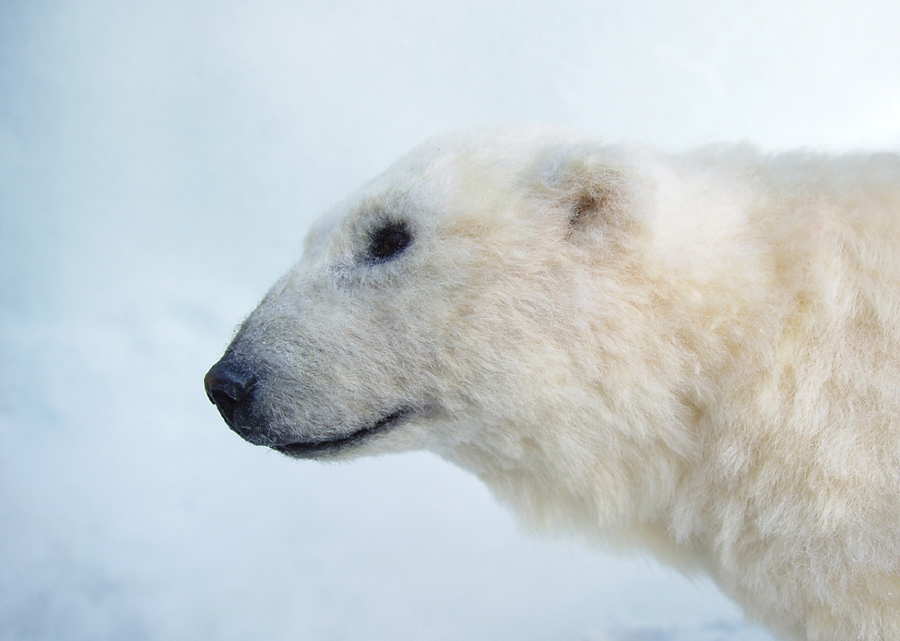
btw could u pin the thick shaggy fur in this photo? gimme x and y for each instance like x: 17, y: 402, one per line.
x: 698, y: 353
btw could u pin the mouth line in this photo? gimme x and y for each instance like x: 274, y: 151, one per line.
x: 302, y: 449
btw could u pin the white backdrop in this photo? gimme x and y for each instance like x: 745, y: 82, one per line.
x: 159, y: 165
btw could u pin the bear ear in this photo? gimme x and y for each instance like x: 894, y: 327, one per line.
x: 591, y: 189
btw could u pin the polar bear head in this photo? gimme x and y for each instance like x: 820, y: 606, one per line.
x: 486, y: 298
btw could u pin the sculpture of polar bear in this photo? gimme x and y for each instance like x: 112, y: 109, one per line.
x: 699, y: 353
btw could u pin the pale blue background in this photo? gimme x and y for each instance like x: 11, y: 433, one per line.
x: 159, y: 165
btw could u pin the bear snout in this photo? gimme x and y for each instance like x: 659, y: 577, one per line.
x: 230, y: 387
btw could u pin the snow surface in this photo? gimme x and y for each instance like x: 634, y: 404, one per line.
x: 159, y: 165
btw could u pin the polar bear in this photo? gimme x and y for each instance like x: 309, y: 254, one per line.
x: 696, y: 353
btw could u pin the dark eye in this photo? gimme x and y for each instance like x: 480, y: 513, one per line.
x: 388, y: 241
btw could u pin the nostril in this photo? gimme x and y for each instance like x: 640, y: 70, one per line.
x: 229, y: 387
x: 223, y: 400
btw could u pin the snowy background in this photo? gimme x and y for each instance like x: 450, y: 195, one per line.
x: 160, y: 163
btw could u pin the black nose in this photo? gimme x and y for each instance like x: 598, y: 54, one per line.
x: 229, y: 387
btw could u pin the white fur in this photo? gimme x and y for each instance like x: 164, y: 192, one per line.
x: 696, y: 353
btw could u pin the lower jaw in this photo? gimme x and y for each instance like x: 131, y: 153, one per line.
x: 316, y: 449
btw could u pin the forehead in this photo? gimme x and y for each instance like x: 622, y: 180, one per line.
x: 428, y: 179
x: 462, y: 172
x: 448, y: 164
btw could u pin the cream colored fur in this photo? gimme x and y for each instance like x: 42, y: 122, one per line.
x: 699, y: 353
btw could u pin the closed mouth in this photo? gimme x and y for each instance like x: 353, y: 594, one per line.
x: 307, y: 449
